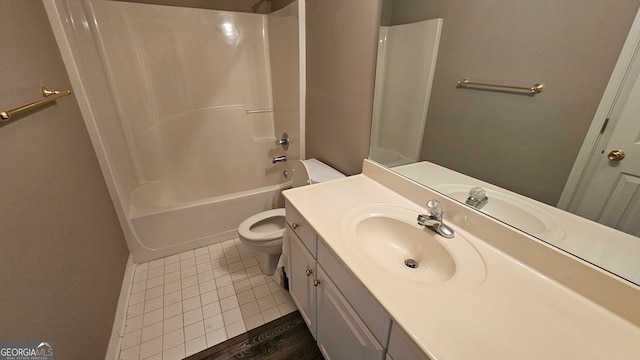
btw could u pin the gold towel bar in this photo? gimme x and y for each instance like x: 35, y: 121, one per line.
x: 535, y: 89
x: 49, y: 96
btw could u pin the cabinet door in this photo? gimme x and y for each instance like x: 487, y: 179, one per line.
x: 340, y: 332
x: 402, y: 347
x: 302, y: 268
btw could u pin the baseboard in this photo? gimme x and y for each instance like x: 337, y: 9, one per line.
x: 117, y: 332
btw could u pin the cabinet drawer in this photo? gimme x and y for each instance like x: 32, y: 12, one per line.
x: 367, y: 307
x: 301, y: 228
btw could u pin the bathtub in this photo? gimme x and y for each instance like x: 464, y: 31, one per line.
x: 179, y: 105
x: 170, y: 229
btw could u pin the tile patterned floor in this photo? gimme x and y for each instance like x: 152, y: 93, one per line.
x: 185, y: 303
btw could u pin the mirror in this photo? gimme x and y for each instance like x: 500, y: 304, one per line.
x: 520, y: 147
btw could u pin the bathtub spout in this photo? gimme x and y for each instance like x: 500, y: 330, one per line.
x: 278, y: 159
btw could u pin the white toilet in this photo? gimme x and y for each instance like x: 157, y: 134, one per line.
x: 263, y: 232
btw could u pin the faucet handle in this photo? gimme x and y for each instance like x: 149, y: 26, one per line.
x: 477, y: 193
x: 283, y: 141
x: 435, y: 210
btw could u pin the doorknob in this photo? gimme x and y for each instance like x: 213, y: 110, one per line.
x: 616, y: 155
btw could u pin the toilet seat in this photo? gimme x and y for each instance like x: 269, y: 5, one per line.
x: 263, y: 233
x: 262, y: 238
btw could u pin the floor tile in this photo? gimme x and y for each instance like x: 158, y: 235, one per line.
x: 172, y: 309
x: 172, y: 276
x: 254, y: 321
x: 173, y: 339
x: 133, y: 324
x: 153, y: 304
x: 192, y: 316
x: 231, y: 316
x: 235, y: 329
x: 151, y: 332
x: 194, y: 330
x: 173, y: 323
x: 229, y: 303
x: 249, y: 309
x: 184, y: 303
x: 151, y: 347
x: 213, y: 323
x: 196, y: 345
x: 175, y: 353
x: 130, y: 354
x: 216, y: 337
x: 266, y: 302
x: 131, y: 339
x: 212, y: 309
x: 152, y: 317
x: 171, y: 259
x: 135, y: 310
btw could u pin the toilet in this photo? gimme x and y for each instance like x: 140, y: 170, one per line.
x: 263, y: 232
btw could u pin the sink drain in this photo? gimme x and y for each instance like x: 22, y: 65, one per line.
x: 411, y: 263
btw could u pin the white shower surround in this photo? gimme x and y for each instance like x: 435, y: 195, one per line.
x: 405, y: 66
x: 182, y: 110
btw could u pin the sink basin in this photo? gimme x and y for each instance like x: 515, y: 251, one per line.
x: 393, y: 242
x: 388, y: 239
x: 520, y: 213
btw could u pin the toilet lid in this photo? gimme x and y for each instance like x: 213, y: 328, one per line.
x: 313, y: 171
x: 300, y: 176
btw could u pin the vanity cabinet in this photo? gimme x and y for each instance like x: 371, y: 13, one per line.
x: 343, y: 317
x: 402, y: 347
x: 302, y: 270
x: 341, y: 334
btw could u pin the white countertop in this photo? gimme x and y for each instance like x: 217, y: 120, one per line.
x: 515, y: 313
x: 609, y: 248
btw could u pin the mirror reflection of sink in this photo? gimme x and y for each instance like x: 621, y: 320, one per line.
x: 388, y: 238
x: 512, y: 210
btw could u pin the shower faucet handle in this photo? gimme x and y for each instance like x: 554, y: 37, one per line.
x: 278, y: 159
x: 283, y: 141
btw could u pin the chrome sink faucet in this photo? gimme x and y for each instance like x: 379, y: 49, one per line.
x: 433, y: 221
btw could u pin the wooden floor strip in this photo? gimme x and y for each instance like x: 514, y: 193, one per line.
x: 285, y: 338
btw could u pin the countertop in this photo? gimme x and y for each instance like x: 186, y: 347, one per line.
x: 514, y: 313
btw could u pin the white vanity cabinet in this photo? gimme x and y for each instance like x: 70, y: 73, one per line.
x: 344, y: 318
x: 499, y: 300
x: 302, y: 272
x: 401, y: 347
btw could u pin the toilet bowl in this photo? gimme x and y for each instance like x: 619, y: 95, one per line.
x: 263, y: 232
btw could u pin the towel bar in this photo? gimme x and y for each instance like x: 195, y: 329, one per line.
x: 535, y: 89
x: 49, y: 96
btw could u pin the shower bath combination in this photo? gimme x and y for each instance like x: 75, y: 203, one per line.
x: 182, y: 106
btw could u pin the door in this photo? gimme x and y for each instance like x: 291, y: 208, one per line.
x: 302, y: 270
x: 612, y: 195
x: 341, y: 334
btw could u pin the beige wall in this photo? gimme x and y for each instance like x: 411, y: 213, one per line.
x: 63, y: 252
x: 526, y: 144
x: 341, y: 52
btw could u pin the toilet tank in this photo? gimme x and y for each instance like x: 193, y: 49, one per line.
x: 311, y: 171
